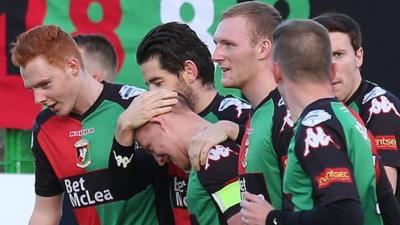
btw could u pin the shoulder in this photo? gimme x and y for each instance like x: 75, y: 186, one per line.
x: 377, y: 93
x: 42, y: 118
x: 122, y: 94
x: 232, y: 102
x: 315, y: 117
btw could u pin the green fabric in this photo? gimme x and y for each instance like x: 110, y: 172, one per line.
x: 103, y: 120
x: 200, y: 202
x: 357, y: 142
x: 298, y: 183
x: 261, y: 156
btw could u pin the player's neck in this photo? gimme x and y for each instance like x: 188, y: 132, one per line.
x: 89, y: 93
x: 299, y: 96
x: 203, y: 97
x: 259, y: 87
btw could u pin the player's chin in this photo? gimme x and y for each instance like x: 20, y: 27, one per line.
x: 227, y: 83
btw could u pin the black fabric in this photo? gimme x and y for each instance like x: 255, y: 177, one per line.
x: 344, y: 212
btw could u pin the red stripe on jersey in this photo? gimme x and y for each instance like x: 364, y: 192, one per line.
x: 87, y: 216
x: 373, y: 146
x: 58, y: 147
x: 244, y: 147
x: 181, y: 216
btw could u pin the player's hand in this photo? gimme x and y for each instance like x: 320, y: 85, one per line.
x: 141, y: 110
x: 202, y: 142
x: 254, y: 209
x: 146, y: 106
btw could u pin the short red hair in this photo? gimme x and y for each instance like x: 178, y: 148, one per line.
x: 49, y: 41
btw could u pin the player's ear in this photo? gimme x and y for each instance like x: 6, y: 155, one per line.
x: 190, y: 71
x: 276, y: 71
x: 359, y: 57
x: 158, y: 121
x: 73, y: 66
x: 265, y: 48
x: 97, y: 77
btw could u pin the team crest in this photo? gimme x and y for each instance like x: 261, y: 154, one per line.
x: 82, y: 153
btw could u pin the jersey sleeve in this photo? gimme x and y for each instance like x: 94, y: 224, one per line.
x: 321, y: 151
x: 132, y: 170
x: 236, y: 110
x: 46, y: 181
x: 220, y: 178
x: 382, y: 119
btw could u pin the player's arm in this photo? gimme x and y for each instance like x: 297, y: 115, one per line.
x: 385, y: 127
x: 47, y: 210
x: 219, y: 177
x: 336, y: 200
x: 140, y: 111
x: 49, y: 193
x: 391, y: 173
x: 202, y: 142
x: 132, y: 170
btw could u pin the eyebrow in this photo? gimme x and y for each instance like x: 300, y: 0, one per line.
x: 40, y: 83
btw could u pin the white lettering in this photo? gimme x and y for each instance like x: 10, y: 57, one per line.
x: 107, y: 195
x: 74, y: 200
x: 68, y: 185
x: 81, y: 196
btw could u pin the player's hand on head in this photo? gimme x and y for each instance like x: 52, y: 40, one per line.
x: 254, y: 209
x: 203, y: 141
x: 148, y: 105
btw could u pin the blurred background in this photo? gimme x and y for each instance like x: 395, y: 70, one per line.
x: 124, y: 23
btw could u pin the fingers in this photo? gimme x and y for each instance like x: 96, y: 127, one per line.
x: 204, y: 153
x: 244, y: 213
x: 250, y: 197
x: 195, y: 149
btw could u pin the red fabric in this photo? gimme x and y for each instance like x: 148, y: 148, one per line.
x: 18, y: 109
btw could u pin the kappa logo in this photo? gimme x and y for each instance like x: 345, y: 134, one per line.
x: 316, y: 139
x: 80, y: 133
x: 287, y: 120
x: 218, y: 152
x: 381, y: 105
x: 128, y: 92
x: 227, y: 102
x: 375, y: 92
x: 315, y: 117
x: 122, y: 161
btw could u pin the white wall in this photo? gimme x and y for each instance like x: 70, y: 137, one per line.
x: 16, y: 198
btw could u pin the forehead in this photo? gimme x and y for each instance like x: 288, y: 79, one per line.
x: 151, y: 69
x: 235, y: 28
x: 340, y: 40
x: 147, y: 134
x: 36, y: 71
